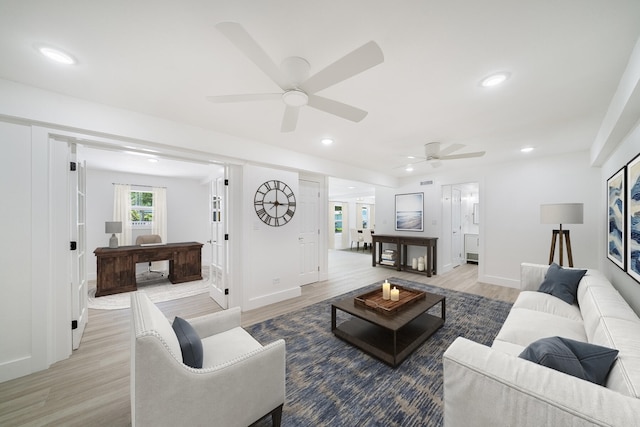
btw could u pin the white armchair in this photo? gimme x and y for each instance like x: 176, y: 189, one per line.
x: 240, y: 382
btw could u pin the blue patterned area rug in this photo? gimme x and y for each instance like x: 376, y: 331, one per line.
x: 330, y: 382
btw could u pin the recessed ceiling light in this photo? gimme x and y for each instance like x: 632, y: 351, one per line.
x: 351, y: 187
x: 327, y: 141
x: 153, y: 160
x: 409, y: 168
x: 526, y: 149
x: 494, y: 79
x: 57, y: 55
x: 411, y: 157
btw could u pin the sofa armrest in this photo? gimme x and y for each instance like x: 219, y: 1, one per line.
x: 532, y: 275
x: 483, y: 386
x: 214, y: 323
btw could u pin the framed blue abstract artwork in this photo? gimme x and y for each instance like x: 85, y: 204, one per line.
x: 633, y: 215
x: 410, y: 212
x: 616, y: 218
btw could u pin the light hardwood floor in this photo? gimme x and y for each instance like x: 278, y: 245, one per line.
x: 91, y: 388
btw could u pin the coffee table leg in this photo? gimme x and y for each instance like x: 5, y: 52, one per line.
x: 443, y: 309
x: 395, y: 348
x: 333, y: 318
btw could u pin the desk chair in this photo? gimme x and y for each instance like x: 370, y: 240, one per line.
x: 146, y: 239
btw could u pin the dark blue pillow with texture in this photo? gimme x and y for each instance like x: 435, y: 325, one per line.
x: 562, y: 283
x: 583, y: 360
x: 190, y: 343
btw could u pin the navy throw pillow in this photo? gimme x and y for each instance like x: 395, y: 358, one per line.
x: 562, y: 283
x: 583, y: 360
x: 190, y: 343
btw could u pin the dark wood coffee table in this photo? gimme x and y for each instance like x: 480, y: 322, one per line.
x: 390, y: 338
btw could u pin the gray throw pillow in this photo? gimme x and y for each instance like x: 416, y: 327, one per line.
x: 583, y: 360
x: 562, y: 283
x: 190, y: 343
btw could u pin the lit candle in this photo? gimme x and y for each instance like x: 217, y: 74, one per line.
x: 395, y: 294
x: 386, y: 287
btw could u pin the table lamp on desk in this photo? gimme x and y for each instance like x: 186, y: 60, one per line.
x: 113, y: 227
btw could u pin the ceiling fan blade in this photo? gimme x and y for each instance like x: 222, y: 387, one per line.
x: 431, y: 149
x: 359, y: 60
x: 290, y: 119
x: 246, y: 97
x: 450, y: 149
x: 463, y: 156
x: 252, y: 50
x: 337, y: 108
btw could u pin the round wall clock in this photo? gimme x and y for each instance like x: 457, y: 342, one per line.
x: 274, y: 203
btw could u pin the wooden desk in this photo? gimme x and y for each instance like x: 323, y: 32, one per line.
x: 401, y: 243
x: 117, y: 267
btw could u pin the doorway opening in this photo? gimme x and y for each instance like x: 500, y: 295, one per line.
x: 460, y: 224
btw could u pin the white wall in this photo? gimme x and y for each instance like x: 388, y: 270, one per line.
x: 16, y: 262
x: 34, y: 295
x: 510, y: 199
x: 187, y: 209
x: 270, y: 254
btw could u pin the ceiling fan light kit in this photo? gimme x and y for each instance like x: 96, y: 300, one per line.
x: 295, y: 98
x: 298, y: 89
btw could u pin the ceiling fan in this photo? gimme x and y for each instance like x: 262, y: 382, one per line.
x: 434, y: 155
x: 298, y: 89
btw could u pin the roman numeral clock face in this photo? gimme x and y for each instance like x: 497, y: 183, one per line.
x: 275, y: 203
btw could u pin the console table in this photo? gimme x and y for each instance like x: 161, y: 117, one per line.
x: 401, y: 243
x: 117, y: 266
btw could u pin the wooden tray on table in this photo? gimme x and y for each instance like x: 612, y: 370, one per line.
x: 373, y: 300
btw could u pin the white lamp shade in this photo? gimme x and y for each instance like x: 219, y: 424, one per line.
x: 111, y: 227
x: 562, y: 213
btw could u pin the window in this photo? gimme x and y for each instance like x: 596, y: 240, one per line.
x: 365, y: 217
x: 337, y: 219
x: 141, y: 208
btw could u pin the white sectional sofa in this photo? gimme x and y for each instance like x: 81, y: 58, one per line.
x: 492, y: 386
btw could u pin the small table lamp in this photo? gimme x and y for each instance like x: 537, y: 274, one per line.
x: 561, y: 213
x: 113, y: 227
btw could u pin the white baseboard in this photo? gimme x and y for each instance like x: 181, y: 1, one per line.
x: 500, y: 281
x: 16, y: 368
x: 272, y: 298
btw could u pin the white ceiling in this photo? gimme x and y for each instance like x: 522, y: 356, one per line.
x: 164, y: 57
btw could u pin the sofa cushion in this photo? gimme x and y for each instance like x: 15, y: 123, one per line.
x: 524, y: 326
x: 190, y: 343
x: 582, y: 360
x: 562, y: 283
x: 546, y: 303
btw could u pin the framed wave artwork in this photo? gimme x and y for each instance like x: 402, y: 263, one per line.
x: 616, y: 218
x: 633, y: 216
x: 410, y: 212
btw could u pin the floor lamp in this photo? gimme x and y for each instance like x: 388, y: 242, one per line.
x: 561, y: 213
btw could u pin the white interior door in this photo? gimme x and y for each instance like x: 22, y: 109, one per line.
x: 218, y: 265
x: 309, y: 225
x: 456, y: 227
x: 79, y: 296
